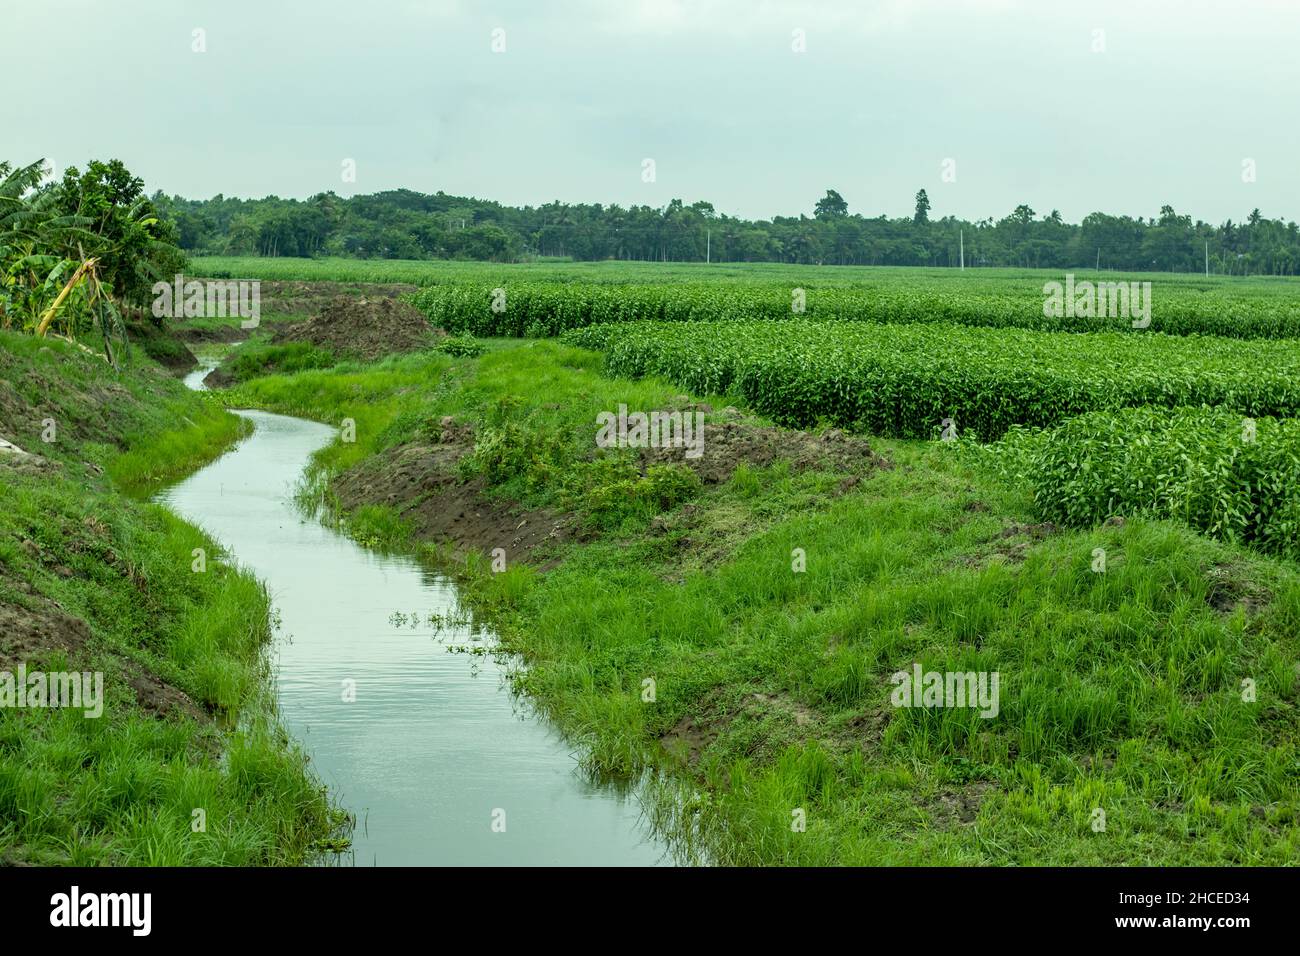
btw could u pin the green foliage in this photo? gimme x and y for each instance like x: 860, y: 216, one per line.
x: 135, y: 246
x: 903, y: 380
x: 265, y: 358
x: 611, y: 491
x: 404, y: 224
x: 71, y: 251
x: 510, y: 445
x: 461, y: 346
x: 1233, y: 478
x: 544, y: 308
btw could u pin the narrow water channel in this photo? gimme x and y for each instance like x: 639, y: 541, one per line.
x: 434, y: 754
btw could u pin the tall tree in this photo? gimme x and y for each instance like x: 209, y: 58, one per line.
x: 831, y: 206
x: 922, y: 214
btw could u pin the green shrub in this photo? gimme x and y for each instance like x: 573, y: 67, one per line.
x: 611, y: 490
x: 667, y: 486
x: 510, y: 447
x: 461, y: 346
x: 1203, y: 466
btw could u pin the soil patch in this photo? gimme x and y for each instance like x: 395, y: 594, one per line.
x: 953, y: 808
x: 1229, y: 587
x: 32, y: 635
x: 728, y: 444
x: 421, y: 482
x: 719, y: 710
x: 364, y: 328
x: 309, y: 298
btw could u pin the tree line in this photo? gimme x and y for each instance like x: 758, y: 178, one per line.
x: 403, y: 224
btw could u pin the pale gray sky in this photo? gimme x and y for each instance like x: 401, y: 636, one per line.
x: 714, y: 92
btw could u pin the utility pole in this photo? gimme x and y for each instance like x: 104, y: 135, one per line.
x: 1207, y: 258
x: 961, y: 238
x: 708, y: 246
x: 1099, y: 258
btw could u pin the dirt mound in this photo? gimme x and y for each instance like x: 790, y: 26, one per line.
x: 422, y: 483
x: 728, y: 444
x: 311, y: 297
x: 365, y: 328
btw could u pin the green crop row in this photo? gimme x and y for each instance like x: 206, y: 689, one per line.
x: 904, y: 380
x: 1235, y: 478
x: 547, y: 308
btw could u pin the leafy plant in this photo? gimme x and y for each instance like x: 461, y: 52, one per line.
x: 904, y: 380
x: 1233, y: 478
x: 461, y: 346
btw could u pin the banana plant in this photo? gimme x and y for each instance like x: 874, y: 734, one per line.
x: 35, y: 285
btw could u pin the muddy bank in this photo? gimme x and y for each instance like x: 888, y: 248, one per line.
x: 423, y: 483
x: 35, y: 630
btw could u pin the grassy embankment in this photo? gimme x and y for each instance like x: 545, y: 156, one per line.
x: 1123, y: 734
x: 92, y: 578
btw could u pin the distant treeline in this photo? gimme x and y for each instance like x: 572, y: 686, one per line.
x: 402, y: 224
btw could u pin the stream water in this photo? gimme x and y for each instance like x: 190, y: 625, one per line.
x: 438, y: 760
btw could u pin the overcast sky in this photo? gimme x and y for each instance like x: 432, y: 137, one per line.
x: 1016, y: 92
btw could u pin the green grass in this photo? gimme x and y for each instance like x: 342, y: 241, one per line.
x: 122, y: 789
x: 98, y: 581
x: 1121, y: 691
x: 142, y: 425
x: 260, y: 356
x: 205, y: 431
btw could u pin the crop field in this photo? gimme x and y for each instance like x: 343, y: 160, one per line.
x: 1235, y: 478
x: 529, y: 450
x: 535, y: 308
x: 904, y: 380
x: 547, y: 298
